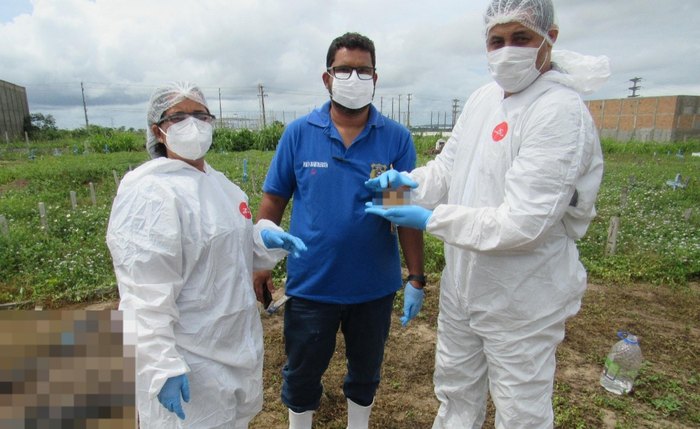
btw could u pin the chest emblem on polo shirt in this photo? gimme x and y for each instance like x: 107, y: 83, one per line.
x: 376, y: 170
x: 313, y: 165
x: 500, y: 131
x: 245, y: 210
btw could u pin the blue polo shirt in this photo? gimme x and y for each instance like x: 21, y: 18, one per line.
x: 352, y: 256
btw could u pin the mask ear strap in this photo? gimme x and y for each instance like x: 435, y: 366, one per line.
x: 539, y: 69
x: 162, y: 132
x: 543, y: 62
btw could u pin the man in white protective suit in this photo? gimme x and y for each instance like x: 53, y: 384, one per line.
x: 184, y: 249
x: 511, y: 192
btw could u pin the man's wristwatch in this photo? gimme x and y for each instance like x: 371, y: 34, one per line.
x: 420, y: 278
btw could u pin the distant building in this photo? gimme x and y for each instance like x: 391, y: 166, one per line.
x: 660, y: 119
x: 13, y: 109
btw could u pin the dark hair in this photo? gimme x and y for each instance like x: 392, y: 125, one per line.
x: 350, y: 41
x: 159, y: 150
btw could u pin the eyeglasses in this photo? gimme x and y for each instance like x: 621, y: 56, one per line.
x: 181, y: 116
x: 344, y: 72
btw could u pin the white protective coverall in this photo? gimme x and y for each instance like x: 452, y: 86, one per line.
x: 184, y: 250
x: 502, y: 191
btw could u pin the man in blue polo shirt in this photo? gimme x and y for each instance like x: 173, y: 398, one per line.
x: 348, y: 278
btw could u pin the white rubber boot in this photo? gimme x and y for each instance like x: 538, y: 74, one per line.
x: 300, y: 420
x: 358, y: 416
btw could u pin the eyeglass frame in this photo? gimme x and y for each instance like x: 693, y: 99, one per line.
x: 209, y: 117
x: 331, y: 71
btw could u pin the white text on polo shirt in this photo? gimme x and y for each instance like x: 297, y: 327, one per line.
x: 317, y: 164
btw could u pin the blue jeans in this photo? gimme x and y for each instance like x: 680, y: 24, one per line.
x: 310, y: 330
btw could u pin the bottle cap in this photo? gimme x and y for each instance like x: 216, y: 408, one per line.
x: 628, y: 337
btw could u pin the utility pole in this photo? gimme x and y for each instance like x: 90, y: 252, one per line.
x: 82, y: 89
x: 262, y: 96
x: 634, y: 88
x: 455, y: 105
x: 381, y: 104
x: 392, y: 107
x: 221, y: 116
x: 399, y: 108
x: 408, y: 113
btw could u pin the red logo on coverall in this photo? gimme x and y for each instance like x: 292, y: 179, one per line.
x: 500, y: 131
x: 245, y: 211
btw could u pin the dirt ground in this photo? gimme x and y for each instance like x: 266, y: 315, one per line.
x: 667, y: 322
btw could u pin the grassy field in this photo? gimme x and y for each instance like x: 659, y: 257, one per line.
x: 658, y: 242
x: 649, y: 286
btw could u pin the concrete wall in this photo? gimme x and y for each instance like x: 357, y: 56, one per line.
x: 660, y: 119
x: 687, y: 124
x: 13, y: 109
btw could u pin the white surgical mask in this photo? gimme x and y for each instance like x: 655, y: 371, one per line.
x: 513, y: 67
x: 189, y: 138
x: 353, y: 93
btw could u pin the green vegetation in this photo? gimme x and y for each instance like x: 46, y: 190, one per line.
x: 655, y: 394
x: 659, y: 243
x: 567, y: 414
x: 227, y: 140
x: 659, y: 239
x: 655, y: 243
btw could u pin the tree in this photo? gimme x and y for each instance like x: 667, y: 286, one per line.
x: 40, y: 125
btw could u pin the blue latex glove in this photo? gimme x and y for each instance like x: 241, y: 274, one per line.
x: 274, y: 239
x: 412, y: 302
x: 169, y: 395
x: 411, y: 216
x: 391, y: 179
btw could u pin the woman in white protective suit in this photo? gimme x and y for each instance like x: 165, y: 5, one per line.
x: 184, y: 250
x: 510, y: 193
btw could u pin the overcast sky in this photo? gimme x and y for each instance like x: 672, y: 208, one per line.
x: 433, y: 50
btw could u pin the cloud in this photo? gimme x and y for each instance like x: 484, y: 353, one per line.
x: 121, y: 50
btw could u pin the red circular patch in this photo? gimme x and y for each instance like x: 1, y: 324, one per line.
x: 500, y: 131
x: 245, y: 211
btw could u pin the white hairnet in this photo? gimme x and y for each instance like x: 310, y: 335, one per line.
x: 537, y: 15
x: 583, y: 73
x: 164, y: 98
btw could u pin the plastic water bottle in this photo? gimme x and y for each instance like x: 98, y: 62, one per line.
x: 622, y: 365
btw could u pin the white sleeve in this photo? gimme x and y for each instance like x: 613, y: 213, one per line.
x: 143, y: 237
x: 264, y: 258
x: 538, y: 187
